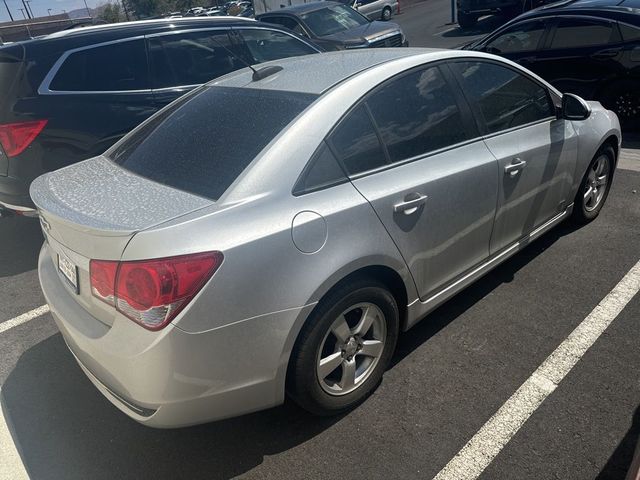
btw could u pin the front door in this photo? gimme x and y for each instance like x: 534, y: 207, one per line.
x: 536, y: 152
x: 581, y: 53
x: 432, y: 186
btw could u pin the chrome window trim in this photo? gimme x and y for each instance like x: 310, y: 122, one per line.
x: 45, y: 86
x: 259, y: 27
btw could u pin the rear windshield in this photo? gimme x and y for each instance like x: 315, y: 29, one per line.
x: 201, y: 143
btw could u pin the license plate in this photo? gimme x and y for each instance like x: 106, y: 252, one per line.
x: 69, y: 270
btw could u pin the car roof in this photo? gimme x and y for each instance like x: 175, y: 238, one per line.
x: 317, y: 73
x: 626, y: 10
x: 74, y: 38
x: 302, y: 8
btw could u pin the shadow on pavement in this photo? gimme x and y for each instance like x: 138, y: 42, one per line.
x: 20, y: 242
x: 620, y: 462
x: 631, y: 140
x: 66, y: 429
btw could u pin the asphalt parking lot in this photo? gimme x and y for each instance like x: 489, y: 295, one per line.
x: 449, y: 377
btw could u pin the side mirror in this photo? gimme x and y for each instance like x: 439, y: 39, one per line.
x: 574, y: 108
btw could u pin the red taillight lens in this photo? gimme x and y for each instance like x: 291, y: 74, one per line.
x: 153, y: 292
x: 103, y: 280
x: 16, y: 137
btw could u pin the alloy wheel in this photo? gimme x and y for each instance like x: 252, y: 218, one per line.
x: 596, y: 184
x: 351, y: 349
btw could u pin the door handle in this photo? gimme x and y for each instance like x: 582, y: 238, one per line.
x: 514, y: 167
x: 410, y: 206
x: 604, y: 54
x: 526, y: 60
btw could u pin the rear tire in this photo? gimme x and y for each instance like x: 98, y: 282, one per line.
x: 386, y: 14
x: 467, y: 20
x: 595, y: 186
x: 344, y: 348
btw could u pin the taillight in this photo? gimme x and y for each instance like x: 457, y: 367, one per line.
x: 152, y: 292
x: 16, y: 137
x: 103, y: 280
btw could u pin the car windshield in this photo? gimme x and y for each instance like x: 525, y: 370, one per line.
x: 333, y: 19
x: 201, y: 143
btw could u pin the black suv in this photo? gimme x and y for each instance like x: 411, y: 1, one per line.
x: 587, y: 47
x: 70, y: 95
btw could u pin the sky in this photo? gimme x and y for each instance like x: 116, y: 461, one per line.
x: 39, y: 7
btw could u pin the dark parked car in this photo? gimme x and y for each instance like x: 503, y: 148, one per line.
x: 470, y: 10
x: 71, y: 95
x: 587, y: 47
x: 334, y: 26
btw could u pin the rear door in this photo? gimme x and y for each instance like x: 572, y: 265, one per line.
x: 519, y: 42
x: 92, y: 97
x: 412, y: 152
x: 536, y: 151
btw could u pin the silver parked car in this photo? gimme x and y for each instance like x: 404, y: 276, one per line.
x: 374, y: 9
x: 198, y: 275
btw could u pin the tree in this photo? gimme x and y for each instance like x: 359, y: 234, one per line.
x: 111, y: 13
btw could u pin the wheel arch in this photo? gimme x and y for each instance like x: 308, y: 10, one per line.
x: 394, y: 275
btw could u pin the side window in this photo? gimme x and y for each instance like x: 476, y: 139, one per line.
x: 323, y: 171
x: 115, y: 67
x: 519, y: 38
x: 190, y: 58
x: 265, y: 45
x: 629, y: 32
x: 505, y: 97
x: 574, y: 32
x: 416, y: 114
x: 356, y: 144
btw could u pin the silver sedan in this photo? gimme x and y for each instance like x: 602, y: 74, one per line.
x: 274, y: 231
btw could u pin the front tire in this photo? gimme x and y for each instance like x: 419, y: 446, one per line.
x: 344, y: 348
x: 595, y: 186
x: 386, y: 14
x: 467, y: 20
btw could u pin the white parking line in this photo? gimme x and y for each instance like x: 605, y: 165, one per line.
x: 480, y: 451
x: 11, y: 465
x: 24, y: 318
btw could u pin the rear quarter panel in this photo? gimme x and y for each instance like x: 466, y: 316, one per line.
x: 263, y: 270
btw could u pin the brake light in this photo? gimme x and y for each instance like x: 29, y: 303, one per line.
x: 16, y: 137
x: 152, y: 292
x: 103, y: 280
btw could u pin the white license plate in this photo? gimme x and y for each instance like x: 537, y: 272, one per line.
x: 69, y: 270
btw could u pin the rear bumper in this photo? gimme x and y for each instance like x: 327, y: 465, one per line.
x: 172, y: 378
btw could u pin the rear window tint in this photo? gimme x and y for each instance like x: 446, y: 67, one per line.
x: 120, y: 66
x: 202, y: 143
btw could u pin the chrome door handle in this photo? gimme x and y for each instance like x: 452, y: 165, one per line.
x: 514, y: 167
x: 410, y: 206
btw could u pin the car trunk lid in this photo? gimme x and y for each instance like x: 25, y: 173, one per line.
x: 91, y: 210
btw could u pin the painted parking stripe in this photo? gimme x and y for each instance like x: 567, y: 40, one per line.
x: 480, y: 451
x: 11, y: 465
x: 24, y: 318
